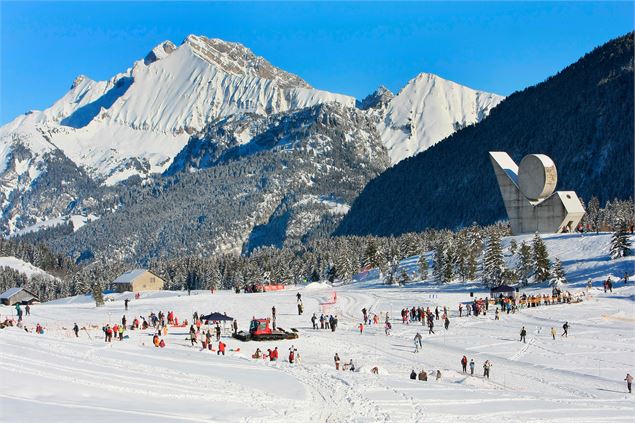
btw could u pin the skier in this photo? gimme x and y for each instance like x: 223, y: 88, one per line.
x: 125, y: 304
x: 387, y: 327
x: 523, y: 334
x: 273, y: 313
x: 76, y: 330
x: 418, y: 342
x: 192, y: 335
x: 292, y: 351
x: 472, y: 367
x: 274, y: 354
x: 629, y: 381
x: 413, y: 375
x: 235, y: 326
x: 208, y: 340
x: 217, y: 332
x: 221, y: 348
x: 123, y: 320
x: 486, y: 366
x: 430, y: 326
x: 553, y: 333
x: 314, y: 321
x: 337, y: 361
x: 438, y: 374
x: 361, y: 328
x: 464, y: 364
x: 565, y: 327
x: 436, y: 312
x: 447, y: 323
x: 298, y: 296
x: 28, y: 310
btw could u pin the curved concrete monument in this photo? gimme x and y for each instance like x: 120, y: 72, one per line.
x: 528, y: 194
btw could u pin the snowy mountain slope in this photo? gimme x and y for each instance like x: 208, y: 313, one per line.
x: 427, y: 110
x: 298, y: 174
x: 22, y: 266
x: 578, y: 378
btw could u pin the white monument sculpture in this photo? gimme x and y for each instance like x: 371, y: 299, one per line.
x: 529, y: 197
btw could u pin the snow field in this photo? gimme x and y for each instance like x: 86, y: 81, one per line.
x: 574, y: 379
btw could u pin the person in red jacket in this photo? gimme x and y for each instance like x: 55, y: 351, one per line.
x: 274, y: 354
x: 221, y: 348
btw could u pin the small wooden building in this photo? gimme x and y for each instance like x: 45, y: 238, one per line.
x: 18, y: 295
x: 137, y: 280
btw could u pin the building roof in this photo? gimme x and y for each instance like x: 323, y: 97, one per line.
x: 15, y: 290
x: 130, y: 276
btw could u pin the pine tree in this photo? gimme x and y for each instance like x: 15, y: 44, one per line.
x: 448, y: 266
x: 525, y: 263
x: 404, y: 278
x: 594, y: 214
x: 371, y: 255
x: 493, y: 264
x: 98, y: 295
x: 542, y: 265
x: 513, y: 247
x: 391, y: 270
x: 423, y: 266
x: 559, y: 276
x: 438, y: 263
x: 620, y: 244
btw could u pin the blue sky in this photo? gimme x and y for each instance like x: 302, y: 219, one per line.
x: 348, y: 48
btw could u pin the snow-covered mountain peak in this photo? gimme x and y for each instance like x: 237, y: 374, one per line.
x: 428, y: 109
x: 159, y: 52
x: 378, y: 99
x: 236, y: 59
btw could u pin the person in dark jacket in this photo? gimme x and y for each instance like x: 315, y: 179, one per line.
x: 413, y: 375
x: 76, y: 330
x: 523, y: 334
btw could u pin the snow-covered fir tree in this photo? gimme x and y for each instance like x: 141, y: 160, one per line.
x: 372, y: 256
x: 98, y: 295
x: 620, y: 244
x: 423, y: 266
x: 525, y: 263
x: 493, y: 264
x: 559, y: 276
x: 541, y: 264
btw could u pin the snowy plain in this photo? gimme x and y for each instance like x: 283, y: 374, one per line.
x: 57, y: 377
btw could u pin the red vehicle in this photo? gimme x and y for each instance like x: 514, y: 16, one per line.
x: 260, y: 330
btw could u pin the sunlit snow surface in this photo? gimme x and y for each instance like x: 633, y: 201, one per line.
x: 55, y: 377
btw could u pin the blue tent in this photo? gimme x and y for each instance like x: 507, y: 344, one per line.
x: 216, y: 317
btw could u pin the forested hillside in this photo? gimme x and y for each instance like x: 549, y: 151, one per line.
x: 582, y: 118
